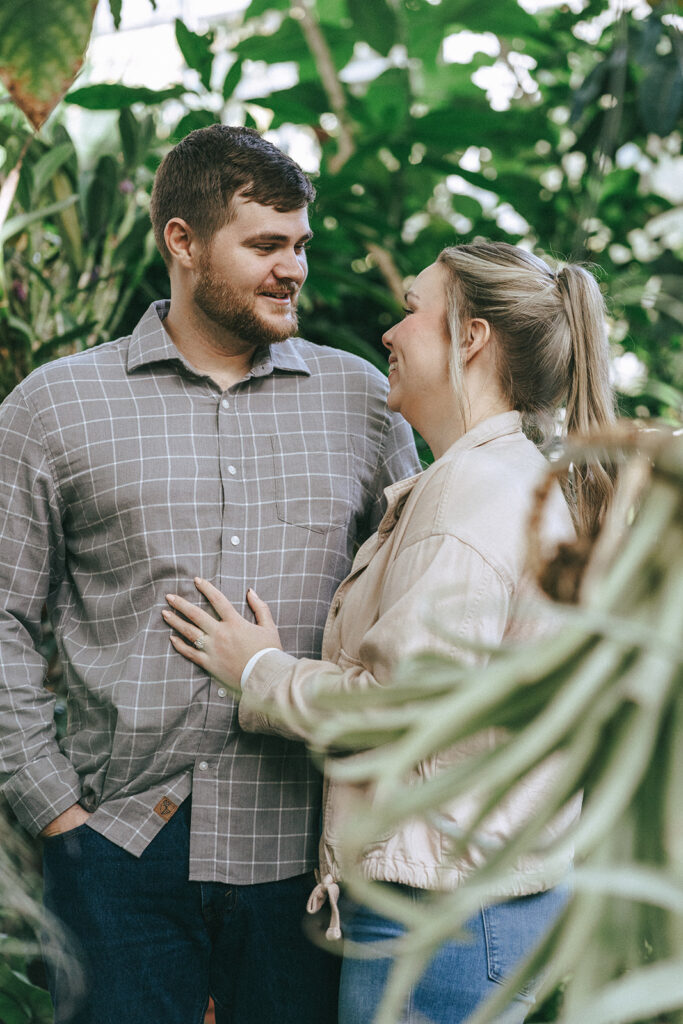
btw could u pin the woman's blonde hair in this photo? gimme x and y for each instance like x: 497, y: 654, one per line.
x: 550, y: 336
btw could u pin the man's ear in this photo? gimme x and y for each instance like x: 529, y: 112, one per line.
x: 477, y: 336
x: 180, y: 241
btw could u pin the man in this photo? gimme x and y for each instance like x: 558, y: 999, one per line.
x: 211, y: 442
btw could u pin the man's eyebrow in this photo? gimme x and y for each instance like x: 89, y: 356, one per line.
x: 268, y: 236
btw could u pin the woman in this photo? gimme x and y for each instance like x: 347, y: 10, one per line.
x: 492, y: 341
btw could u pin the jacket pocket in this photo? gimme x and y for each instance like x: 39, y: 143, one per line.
x: 314, y: 482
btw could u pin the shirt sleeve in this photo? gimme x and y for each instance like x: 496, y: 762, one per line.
x: 397, y: 460
x: 438, y: 579
x: 38, y: 780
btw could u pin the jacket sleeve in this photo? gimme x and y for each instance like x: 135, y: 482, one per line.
x: 439, y: 578
x: 38, y: 781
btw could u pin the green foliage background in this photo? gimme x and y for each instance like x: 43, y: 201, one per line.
x: 412, y: 157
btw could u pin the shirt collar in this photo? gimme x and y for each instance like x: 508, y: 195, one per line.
x: 150, y: 343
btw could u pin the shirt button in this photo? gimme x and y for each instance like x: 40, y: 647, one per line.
x: 225, y: 403
x: 231, y: 470
x: 221, y: 692
x: 234, y: 541
x: 203, y: 766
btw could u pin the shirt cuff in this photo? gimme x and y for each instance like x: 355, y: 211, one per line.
x: 246, y: 671
x: 41, y: 790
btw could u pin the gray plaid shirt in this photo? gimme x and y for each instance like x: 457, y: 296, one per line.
x: 124, y: 473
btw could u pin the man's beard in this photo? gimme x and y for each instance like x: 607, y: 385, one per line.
x: 233, y: 309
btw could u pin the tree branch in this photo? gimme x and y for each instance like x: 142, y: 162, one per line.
x: 317, y: 44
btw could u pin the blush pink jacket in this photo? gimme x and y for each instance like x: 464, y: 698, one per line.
x: 452, y: 545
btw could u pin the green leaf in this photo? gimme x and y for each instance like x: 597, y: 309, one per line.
x: 190, y: 122
x: 503, y: 19
x: 620, y: 182
x: 196, y: 49
x: 302, y: 104
x: 387, y: 101
x: 115, y: 8
x: 41, y: 51
x: 640, y: 994
x: 660, y: 95
x: 49, y: 163
x: 129, y: 130
x: 51, y: 348
x: 288, y: 44
x: 375, y: 23
x: 258, y: 7
x: 131, y: 249
x: 232, y: 79
x: 15, y: 225
x: 11, y: 1011
x: 70, y: 223
x: 332, y: 11
x: 592, y: 86
x: 106, y: 96
x: 101, y: 196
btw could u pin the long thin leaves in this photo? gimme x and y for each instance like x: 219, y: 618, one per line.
x: 604, y: 700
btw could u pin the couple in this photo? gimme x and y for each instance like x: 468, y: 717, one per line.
x: 181, y: 825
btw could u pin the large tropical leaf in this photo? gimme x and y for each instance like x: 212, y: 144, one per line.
x: 41, y: 51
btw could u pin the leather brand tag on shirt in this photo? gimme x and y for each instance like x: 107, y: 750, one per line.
x: 165, y: 808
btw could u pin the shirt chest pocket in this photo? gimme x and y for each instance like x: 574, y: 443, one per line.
x: 315, y: 486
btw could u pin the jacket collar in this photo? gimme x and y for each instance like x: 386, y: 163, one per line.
x: 150, y: 343
x: 488, y: 430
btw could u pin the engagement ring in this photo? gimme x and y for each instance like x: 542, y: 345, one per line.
x: 200, y: 641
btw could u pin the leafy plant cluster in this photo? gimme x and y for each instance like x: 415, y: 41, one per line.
x: 412, y: 156
x: 605, y: 697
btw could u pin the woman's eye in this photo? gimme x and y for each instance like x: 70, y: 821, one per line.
x: 406, y: 311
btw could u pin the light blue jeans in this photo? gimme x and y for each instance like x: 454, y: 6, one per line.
x: 461, y: 974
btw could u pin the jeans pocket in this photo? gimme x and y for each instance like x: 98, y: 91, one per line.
x: 514, y: 928
x: 69, y: 832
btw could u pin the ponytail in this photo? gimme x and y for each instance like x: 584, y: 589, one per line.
x: 551, y: 351
x: 590, y: 404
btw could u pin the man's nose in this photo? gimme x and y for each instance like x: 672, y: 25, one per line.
x: 292, y: 266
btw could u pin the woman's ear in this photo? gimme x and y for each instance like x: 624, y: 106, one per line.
x: 477, y: 336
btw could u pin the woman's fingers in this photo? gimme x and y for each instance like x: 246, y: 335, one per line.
x: 218, y: 601
x: 189, y: 651
x: 260, y: 609
x: 186, y: 629
x: 197, y: 615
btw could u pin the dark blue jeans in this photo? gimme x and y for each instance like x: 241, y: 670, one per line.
x: 154, y: 945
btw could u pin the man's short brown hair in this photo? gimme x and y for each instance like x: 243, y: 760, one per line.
x: 198, y: 179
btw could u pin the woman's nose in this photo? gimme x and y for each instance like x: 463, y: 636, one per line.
x: 386, y: 338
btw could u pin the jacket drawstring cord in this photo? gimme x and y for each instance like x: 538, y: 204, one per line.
x: 326, y: 888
